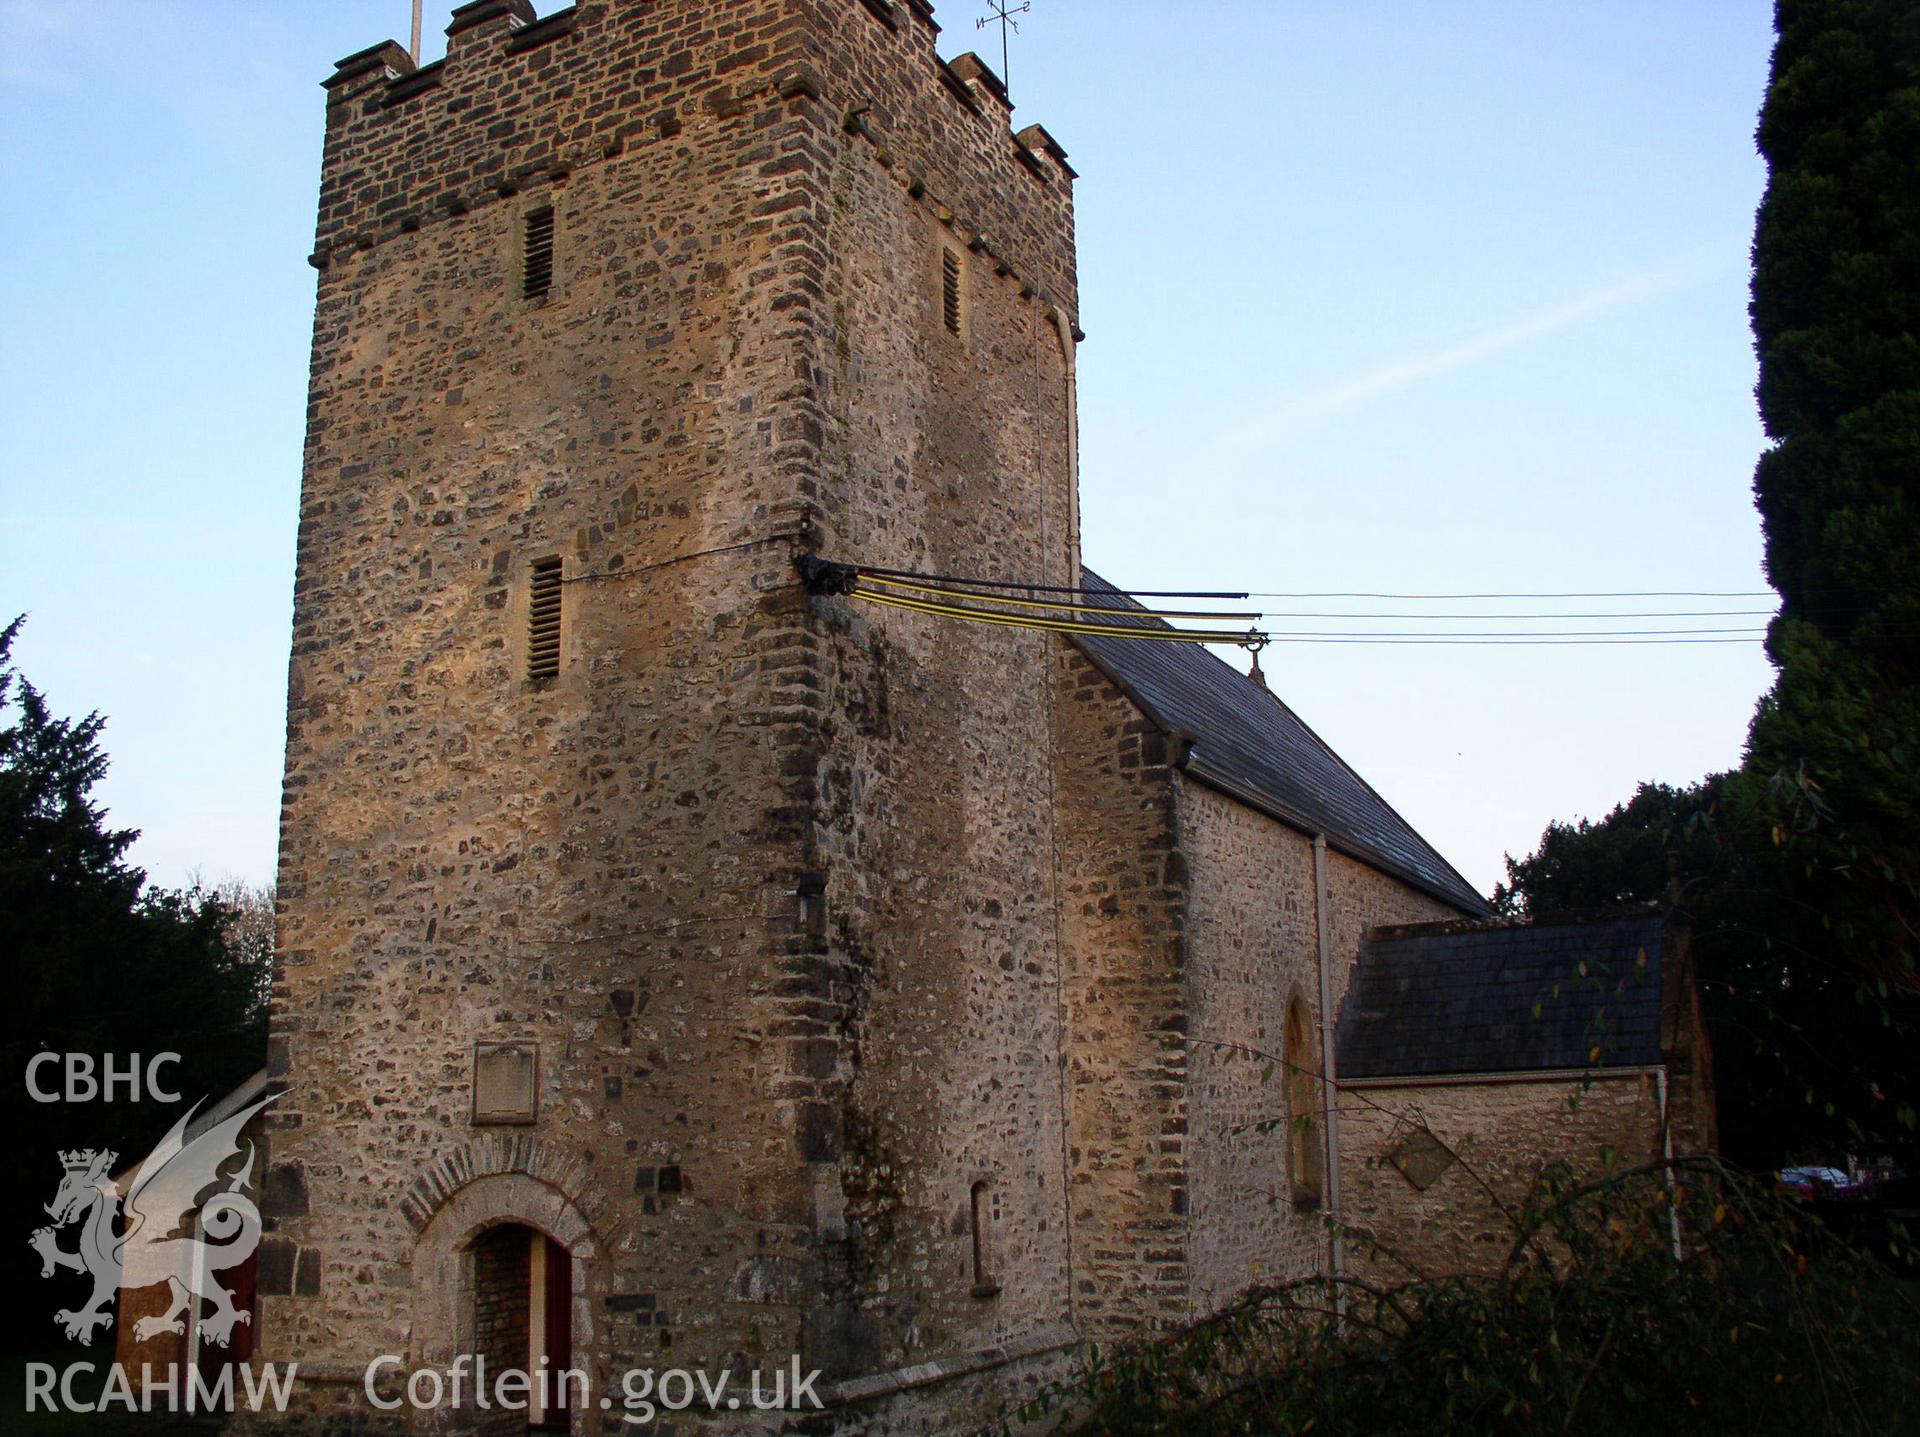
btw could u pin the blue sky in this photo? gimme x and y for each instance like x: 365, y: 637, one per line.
x: 1389, y: 296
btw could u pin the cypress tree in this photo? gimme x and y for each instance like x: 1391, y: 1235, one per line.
x: 1836, y: 322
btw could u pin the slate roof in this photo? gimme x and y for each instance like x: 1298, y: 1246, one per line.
x: 1251, y: 746
x: 1460, y: 998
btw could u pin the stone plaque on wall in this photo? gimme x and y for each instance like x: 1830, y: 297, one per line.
x: 503, y: 1082
x: 1421, y: 1158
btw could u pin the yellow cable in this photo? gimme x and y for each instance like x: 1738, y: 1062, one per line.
x: 1065, y: 626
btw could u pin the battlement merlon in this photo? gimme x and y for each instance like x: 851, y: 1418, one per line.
x: 520, y: 98
x: 375, y: 65
x: 483, y: 21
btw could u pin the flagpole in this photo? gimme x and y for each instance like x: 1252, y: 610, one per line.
x: 415, y: 51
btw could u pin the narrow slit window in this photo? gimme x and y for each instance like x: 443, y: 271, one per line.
x: 950, y: 290
x: 543, y: 622
x: 984, y: 1205
x: 536, y: 261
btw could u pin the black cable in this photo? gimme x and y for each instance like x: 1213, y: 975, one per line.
x: 634, y: 573
x: 1040, y: 588
x: 978, y: 583
x: 1496, y: 643
x: 1615, y: 594
x: 1616, y: 614
x: 1503, y: 633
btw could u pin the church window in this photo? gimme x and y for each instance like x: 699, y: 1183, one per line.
x: 1304, y: 1163
x: 812, y: 893
x: 543, y: 622
x: 984, y: 1216
x: 950, y: 311
x: 536, y: 258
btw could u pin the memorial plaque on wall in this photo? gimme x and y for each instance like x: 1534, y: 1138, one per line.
x: 503, y: 1082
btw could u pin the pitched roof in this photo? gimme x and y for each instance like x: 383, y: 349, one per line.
x: 1503, y: 998
x: 1251, y: 746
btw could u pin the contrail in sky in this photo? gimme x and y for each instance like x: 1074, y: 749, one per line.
x: 1319, y: 406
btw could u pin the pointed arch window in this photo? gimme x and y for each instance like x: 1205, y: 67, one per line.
x: 1306, y: 1178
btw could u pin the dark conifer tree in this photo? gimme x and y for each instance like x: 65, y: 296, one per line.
x: 1836, y: 321
x: 99, y: 964
x: 1802, y: 869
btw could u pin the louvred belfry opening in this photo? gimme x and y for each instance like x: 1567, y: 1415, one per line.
x: 543, y: 622
x: 536, y: 274
x: 950, y: 290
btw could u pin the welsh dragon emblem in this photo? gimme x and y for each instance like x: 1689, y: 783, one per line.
x: 145, y: 1251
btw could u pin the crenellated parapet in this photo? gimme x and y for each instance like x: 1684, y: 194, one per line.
x: 522, y: 100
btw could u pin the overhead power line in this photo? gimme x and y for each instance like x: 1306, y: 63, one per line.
x: 1048, y: 604
x: 1511, y: 617
x: 1066, y: 626
x: 1023, y: 588
x: 1501, y: 633
x: 1610, y: 594
x: 1499, y: 643
x: 1111, y: 614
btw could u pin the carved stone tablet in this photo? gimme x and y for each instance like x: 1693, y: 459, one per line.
x: 1421, y: 1158
x: 503, y: 1082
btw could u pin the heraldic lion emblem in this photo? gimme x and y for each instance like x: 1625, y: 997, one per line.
x: 161, y: 1200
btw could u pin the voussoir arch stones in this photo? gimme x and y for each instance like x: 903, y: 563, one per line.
x: 513, y: 1178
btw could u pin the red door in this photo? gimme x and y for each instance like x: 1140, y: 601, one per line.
x: 559, y: 1329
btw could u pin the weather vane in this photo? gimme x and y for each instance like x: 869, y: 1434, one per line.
x: 1003, y: 17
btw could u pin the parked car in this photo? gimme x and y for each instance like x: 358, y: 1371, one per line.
x: 1819, y: 1182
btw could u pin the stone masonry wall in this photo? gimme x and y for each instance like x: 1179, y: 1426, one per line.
x: 1189, y: 922
x: 1360, y: 898
x: 1123, y: 888
x: 1253, y: 948
x: 1503, y: 1133
x: 605, y: 865
x: 935, y: 823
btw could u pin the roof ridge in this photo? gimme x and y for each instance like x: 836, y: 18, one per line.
x: 1500, y: 923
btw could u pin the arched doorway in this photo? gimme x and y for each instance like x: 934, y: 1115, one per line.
x: 447, y: 1293
x: 522, y: 1321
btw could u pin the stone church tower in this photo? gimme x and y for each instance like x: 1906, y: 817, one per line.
x: 671, y: 972
x: 682, y: 967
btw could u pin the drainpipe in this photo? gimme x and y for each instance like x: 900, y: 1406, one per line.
x: 1666, y: 1149
x: 1329, y: 1076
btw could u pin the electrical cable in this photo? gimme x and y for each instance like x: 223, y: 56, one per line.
x: 874, y: 571
x: 1251, y: 639
x: 1050, y: 604
x: 1504, y: 633
x: 1510, y: 642
x: 1613, y: 594
x: 1039, y: 588
x: 1515, y: 618
x: 966, y: 599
